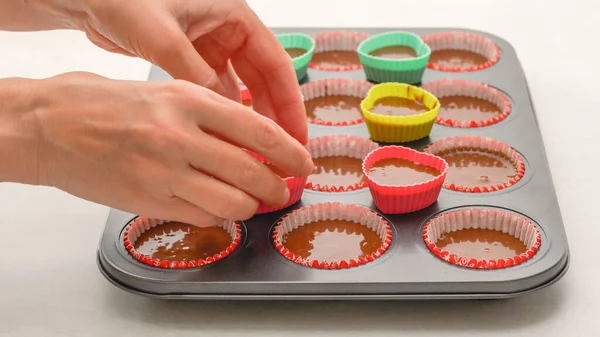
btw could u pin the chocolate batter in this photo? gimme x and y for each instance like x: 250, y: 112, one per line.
x: 336, y: 171
x: 397, y: 171
x: 398, y: 106
x: 278, y: 171
x: 295, y: 52
x: 464, y: 108
x: 481, y: 244
x: 334, y: 108
x: 474, y: 167
x: 336, y: 59
x: 394, y: 52
x: 176, y: 241
x: 456, y: 58
x: 332, y: 240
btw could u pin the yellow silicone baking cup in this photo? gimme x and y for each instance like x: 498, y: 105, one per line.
x: 399, y: 129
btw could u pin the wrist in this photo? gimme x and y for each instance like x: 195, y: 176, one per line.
x: 19, y: 131
x: 68, y: 14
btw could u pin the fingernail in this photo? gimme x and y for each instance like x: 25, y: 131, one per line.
x: 308, y: 167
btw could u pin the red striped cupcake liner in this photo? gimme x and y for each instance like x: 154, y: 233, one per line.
x: 339, y: 145
x: 400, y: 199
x: 463, y: 41
x: 332, y: 211
x: 337, y: 41
x: 141, y: 224
x: 468, y: 88
x: 336, y: 86
x: 295, y: 186
x: 510, y: 223
x: 484, y: 145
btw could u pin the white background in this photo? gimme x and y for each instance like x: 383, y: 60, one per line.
x: 49, y: 283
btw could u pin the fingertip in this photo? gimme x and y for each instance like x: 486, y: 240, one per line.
x: 308, y: 167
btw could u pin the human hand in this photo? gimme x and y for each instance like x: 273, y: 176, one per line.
x: 147, y: 148
x: 194, y: 41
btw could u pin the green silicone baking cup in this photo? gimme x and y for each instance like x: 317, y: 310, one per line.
x: 381, y: 70
x: 302, y: 41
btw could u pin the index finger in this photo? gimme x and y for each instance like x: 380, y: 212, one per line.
x: 266, y: 69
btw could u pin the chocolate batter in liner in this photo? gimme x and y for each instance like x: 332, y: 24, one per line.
x: 139, y: 225
x: 336, y: 114
x: 399, y: 196
x: 336, y: 51
x: 334, y: 147
x: 471, y: 152
x: 468, y: 98
x: 352, y: 231
x: 490, y: 232
x: 461, y: 51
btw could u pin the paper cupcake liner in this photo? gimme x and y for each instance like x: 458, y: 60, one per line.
x: 459, y: 87
x: 399, y: 129
x: 482, y: 144
x: 303, y: 41
x: 512, y: 224
x: 337, y: 41
x: 400, y: 199
x: 379, y: 70
x: 463, y: 41
x: 339, y: 145
x: 332, y: 211
x: 141, y: 224
x: 295, y: 186
x: 335, y: 86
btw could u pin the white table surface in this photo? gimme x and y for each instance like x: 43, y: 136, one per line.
x: 50, y: 285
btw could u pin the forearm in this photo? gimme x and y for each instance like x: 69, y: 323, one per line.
x: 30, y: 15
x: 19, y: 131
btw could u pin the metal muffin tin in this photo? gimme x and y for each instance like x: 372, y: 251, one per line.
x: 407, y: 270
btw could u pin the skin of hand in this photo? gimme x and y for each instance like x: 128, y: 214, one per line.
x: 145, y: 147
x: 197, y: 41
x: 163, y: 150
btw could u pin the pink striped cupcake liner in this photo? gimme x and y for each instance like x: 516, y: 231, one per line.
x: 337, y: 41
x: 510, y: 223
x: 468, y: 88
x: 463, y: 41
x: 339, y: 145
x: 483, y: 145
x: 337, y: 87
x: 141, y: 224
x: 332, y: 211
